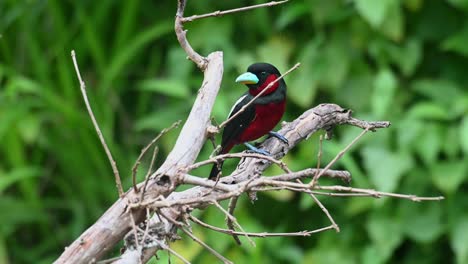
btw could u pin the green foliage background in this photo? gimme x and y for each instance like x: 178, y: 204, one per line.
x: 400, y: 60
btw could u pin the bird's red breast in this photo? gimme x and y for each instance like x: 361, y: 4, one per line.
x: 266, y: 118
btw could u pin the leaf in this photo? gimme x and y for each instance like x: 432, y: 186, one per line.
x: 423, y: 223
x: 457, y: 42
x: 440, y: 90
x: 169, y: 87
x: 16, y: 175
x: 385, y: 85
x: 393, y: 24
x: 371, y: 255
x: 448, y: 175
x: 385, y: 232
x: 464, y: 134
x: 463, y: 4
x: 277, y: 51
x: 429, y: 111
x: 429, y: 143
x: 459, y: 239
x: 385, y: 168
x: 302, y: 87
x: 373, y: 11
x: 291, y: 14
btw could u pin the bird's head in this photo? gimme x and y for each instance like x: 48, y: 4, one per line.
x: 258, y: 76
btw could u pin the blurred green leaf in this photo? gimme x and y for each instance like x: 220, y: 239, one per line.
x: 464, y: 134
x: 383, y: 95
x: 390, y: 169
x: 169, y: 87
x: 429, y: 143
x: 371, y: 255
x: 424, y: 223
x: 277, y: 51
x: 385, y: 232
x: 440, y: 90
x: 18, y: 174
x: 429, y: 111
x: 291, y: 14
x: 373, y: 11
x: 457, y: 42
x: 393, y: 24
x: 459, y: 239
x: 448, y: 175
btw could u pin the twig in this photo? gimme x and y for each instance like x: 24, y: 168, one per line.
x: 229, y: 223
x: 378, y: 194
x: 319, y: 155
x: 135, y: 233
x: 324, y: 209
x: 118, y: 182
x: 258, y: 95
x: 233, y: 220
x: 169, y: 250
x: 230, y: 11
x: 150, y: 170
x: 203, y: 244
x: 196, y: 239
x: 343, y: 175
x: 261, y: 235
x: 181, y: 34
x: 216, y: 159
x: 145, y: 149
x: 337, y: 157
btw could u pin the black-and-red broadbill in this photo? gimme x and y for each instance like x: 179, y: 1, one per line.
x: 260, y: 117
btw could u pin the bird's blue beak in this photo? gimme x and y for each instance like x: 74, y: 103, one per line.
x: 247, y: 78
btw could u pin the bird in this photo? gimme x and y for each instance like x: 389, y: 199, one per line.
x: 260, y: 117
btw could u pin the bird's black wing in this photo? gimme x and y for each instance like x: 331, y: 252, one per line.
x: 236, y: 126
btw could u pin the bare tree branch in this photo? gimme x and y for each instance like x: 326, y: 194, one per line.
x: 222, y: 13
x: 98, y: 239
x: 118, y: 182
x: 145, y: 149
x: 181, y: 34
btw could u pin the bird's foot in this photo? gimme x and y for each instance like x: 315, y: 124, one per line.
x: 256, y: 150
x: 279, y: 136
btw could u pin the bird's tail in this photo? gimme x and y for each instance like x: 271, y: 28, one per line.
x: 216, y: 170
x: 217, y: 167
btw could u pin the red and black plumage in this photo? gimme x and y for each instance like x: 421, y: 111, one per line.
x: 261, y: 116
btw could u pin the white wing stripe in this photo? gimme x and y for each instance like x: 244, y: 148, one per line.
x: 234, y: 106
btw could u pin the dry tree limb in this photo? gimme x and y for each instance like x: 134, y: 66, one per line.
x: 118, y: 181
x: 233, y: 220
x: 148, y: 173
x: 261, y: 234
x: 225, y: 12
x: 338, y: 156
x: 196, y: 239
x: 229, y: 223
x: 377, y: 194
x: 145, y: 149
x: 98, y: 239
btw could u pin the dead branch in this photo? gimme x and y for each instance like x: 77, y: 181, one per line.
x: 98, y: 239
x: 222, y: 13
x: 118, y: 181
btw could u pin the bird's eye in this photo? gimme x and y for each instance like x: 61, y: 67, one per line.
x: 263, y: 73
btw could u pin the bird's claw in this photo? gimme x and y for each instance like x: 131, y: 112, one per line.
x: 256, y: 150
x: 279, y: 136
